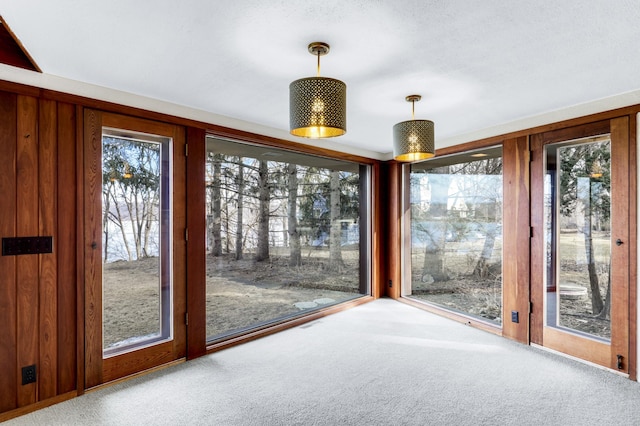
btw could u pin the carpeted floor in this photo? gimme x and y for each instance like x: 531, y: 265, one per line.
x: 382, y: 363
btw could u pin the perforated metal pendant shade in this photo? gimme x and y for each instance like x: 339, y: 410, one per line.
x: 413, y: 140
x: 318, y: 107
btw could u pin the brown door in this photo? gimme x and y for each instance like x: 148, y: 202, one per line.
x: 134, y: 245
x: 580, y: 244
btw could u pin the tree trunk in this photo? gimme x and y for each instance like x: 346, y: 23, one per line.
x: 295, y: 254
x: 216, y: 197
x: 604, y: 314
x: 120, y: 224
x: 596, y: 297
x: 335, y: 234
x: 263, y: 214
x: 482, y: 267
x: 433, y: 267
x: 106, y: 206
x: 239, y: 219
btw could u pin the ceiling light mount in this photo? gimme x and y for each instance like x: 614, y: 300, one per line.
x: 318, y: 48
x: 413, y: 140
x: 318, y: 105
x: 413, y: 98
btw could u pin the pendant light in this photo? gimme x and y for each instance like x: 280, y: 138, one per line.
x: 413, y: 139
x: 318, y: 105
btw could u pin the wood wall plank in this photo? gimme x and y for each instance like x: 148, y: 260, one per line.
x: 515, y: 248
x: 633, y: 248
x: 178, y: 241
x: 66, y: 247
x: 8, y: 290
x: 537, y: 262
x: 27, y: 225
x: 378, y: 260
x: 196, y: 261
x: 620, y: 254
x: 48, y: 288
x: 394, y: 230
x: 80, y: 252
x: 92, y: 194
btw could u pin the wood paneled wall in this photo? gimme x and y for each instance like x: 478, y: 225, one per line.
x: 37, y: 291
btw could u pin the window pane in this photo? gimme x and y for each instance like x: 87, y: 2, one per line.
x: 135, y: 241
x: 456, y: 233
x: 578, y: 236
x: 284, y: 234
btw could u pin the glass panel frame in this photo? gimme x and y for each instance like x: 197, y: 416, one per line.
x: 157, y: 301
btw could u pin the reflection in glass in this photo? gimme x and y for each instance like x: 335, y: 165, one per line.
x: 135, y: 254
x: 284, y: 235
x: 456, y: 233
x: 578, y: 237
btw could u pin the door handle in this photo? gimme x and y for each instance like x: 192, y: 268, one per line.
x: 618, y: 242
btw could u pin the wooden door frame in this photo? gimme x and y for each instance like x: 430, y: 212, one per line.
x: 588, y: 349
x: 96, y: 369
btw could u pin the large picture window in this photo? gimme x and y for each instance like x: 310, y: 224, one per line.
x: 456, y: 233
x: 285, y: 234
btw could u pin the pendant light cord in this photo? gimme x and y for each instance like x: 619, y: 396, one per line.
x: 413, y: 110
x: 318, y: 72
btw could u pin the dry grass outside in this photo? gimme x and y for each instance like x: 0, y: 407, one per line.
x: 239, y: 294
x: 479, y: 296
x: 577, y: 313
x: 482, y: 296
x: 131, y: 302
x: 245, y: 293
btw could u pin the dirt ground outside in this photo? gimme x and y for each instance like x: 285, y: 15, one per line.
x: 240, y: 293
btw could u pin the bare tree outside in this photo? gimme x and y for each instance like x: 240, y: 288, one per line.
x: 240, y: 183
x: 214, y: 217
x: 335, y: 251
x: 264, y: 195
x: 295, y: 256
x: 130, y: 198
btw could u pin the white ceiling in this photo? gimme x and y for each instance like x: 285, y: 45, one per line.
x: 482, y: 67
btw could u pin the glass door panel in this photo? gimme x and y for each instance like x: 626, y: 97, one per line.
x: 578, y: 232
x: 135, y: 242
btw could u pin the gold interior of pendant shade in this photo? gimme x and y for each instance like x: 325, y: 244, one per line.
x: 413, y: 140
x: 318, y: 105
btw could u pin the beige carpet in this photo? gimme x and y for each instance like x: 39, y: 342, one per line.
x: 382, y: 363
